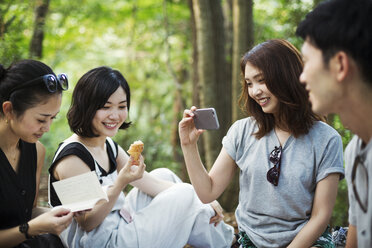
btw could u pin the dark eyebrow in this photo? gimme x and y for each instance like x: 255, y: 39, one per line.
x: 119, y: 102
x: 47, y: 115
x: 255, y: 77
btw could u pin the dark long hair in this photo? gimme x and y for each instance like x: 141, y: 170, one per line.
x: 281, y: 65
x: 91, y: 93
x: 24, y: 98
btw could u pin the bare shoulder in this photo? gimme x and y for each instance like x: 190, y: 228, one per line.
x: 40, y: 149
x: 122, y: 158
x: 70, y: 166
x: 122, y: 153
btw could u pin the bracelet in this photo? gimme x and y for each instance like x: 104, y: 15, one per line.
x: 23, y: 228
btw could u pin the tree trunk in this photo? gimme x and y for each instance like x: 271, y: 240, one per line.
x: 222, y: 100
x: 242, y: 42
x: 215, y: 70
x: 194, y: 77
x: 178, y: 103
x: 228, y: 22
x: 4, y: 24
x: 205, y: 68
x: 215, y: 89
x: 36, y: 46
x: 195, y: 73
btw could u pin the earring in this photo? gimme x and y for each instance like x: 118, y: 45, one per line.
x: 6, y: 121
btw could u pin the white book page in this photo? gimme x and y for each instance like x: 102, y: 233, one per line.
x: 80, y: 192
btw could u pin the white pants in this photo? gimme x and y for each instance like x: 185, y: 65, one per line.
x: 178, y: 217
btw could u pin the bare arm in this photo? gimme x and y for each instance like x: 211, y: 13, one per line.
x: 351, y: 240
x: 208, y: 186
x: 324, y: 201
x: 44, y: 220
x: 54, y: 221
x: 40, y: 149
x: 152, y: 186
x: 36, y: 211
x: 72, y: 166
x: 11, y: 237
x: 148, y: 184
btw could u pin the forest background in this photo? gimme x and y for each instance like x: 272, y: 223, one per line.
x: 173, y: 53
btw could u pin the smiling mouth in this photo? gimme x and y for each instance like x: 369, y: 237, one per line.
x: 263, y: 101
x: 110, y: 125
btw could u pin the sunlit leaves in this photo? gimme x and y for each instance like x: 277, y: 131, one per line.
x: 131, y: 36
x: 15, y: 30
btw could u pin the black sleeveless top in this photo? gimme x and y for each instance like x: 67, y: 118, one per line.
x: 18, y: 189
x: 79, y: 150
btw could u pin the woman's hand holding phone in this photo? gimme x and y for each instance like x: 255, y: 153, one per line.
x: 187, y: 131
x: 206, y: 118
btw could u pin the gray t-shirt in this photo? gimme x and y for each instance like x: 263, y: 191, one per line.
x: 273, y: 215
x: 357, y: 217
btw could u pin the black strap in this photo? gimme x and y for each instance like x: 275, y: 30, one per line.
x: 77, y: 149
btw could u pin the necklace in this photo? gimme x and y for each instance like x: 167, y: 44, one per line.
x: 12, y: 156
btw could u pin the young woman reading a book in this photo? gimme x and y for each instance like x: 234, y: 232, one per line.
x: 160, y: 211
x: 30, y: 97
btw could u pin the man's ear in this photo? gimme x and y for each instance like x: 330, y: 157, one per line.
x: 7, y: 109
x: 340, y: 64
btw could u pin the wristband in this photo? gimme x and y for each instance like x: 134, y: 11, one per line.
x: 23, y: 228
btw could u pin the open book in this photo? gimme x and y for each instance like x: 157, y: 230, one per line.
x: 80, y: 192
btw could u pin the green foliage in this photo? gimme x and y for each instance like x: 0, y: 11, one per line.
x: 15, y: 30
x: 131, y: 36
x: 340, y: 213
x: 128, y: 36
x: 279, y: 19
x: 346, y: 134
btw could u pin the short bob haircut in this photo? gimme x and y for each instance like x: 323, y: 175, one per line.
x: 27, y: 97
x: 91, y: 93
x: 281, y: 65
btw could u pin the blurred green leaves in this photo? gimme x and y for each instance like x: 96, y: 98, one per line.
x: 131, y: 36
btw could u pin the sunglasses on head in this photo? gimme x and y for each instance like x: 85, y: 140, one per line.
x: 50, y: 81
x: 273, y: 174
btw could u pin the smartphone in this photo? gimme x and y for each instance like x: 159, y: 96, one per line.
x: 206, y: 118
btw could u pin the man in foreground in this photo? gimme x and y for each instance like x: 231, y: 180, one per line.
x: 337, y: 53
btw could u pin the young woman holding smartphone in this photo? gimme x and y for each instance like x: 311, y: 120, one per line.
x: 290, y: 162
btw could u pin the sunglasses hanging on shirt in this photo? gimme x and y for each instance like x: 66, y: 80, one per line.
x: 273, y: 174
x: 360, y: 186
